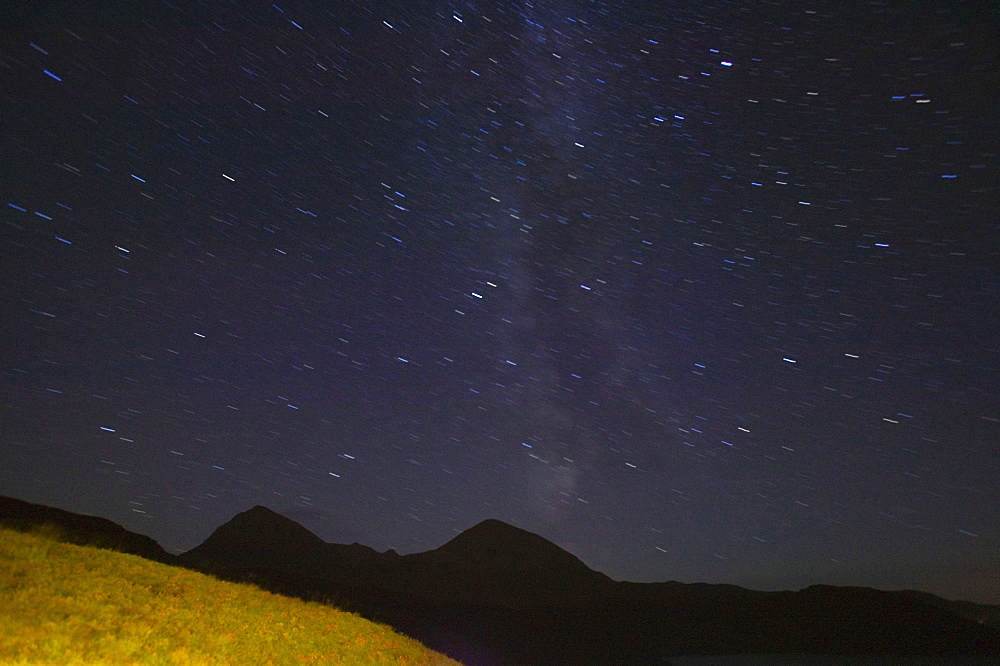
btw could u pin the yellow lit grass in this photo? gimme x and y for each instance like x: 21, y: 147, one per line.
x: 67, y: 604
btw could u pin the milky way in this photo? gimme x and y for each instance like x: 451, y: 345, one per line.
x: 701, y: 291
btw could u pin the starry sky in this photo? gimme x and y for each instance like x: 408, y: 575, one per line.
x: 700, y: 291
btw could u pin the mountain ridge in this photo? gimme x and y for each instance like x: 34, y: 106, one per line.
x: 498, y: 594
x: 80, y: 529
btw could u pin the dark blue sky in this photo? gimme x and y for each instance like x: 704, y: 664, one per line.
x: 702, y: 291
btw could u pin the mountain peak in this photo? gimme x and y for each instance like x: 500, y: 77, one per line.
x: 493, y: 544
x: 261, y: 524
x: 256, y: 537
x: 493, y: 534
x: 496, y: 564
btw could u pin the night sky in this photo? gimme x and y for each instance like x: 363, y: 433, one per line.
x: 700, y: 291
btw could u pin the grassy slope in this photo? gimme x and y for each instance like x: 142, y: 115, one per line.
x: 67, y: 604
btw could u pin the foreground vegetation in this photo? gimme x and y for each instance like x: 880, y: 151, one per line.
x: 67, y: 604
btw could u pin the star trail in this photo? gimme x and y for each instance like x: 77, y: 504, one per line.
x: 700, y: 291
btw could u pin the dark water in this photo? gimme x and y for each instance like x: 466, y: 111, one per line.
x: 828, y: 660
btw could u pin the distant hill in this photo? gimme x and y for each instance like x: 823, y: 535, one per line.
x: 63, y: 603
x: 497, y: 594
x: 79, y: 529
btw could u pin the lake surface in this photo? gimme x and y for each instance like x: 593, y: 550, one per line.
x: 827, y: 660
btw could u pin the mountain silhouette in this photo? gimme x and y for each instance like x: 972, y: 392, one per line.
x: 257, y: 537
x: 80, y: 529
x: 273, y: 547
x: 262, y: 524
x: 493, y: 563
x: 497, y: 594
x: 493, y: 544
x: 515, y: 596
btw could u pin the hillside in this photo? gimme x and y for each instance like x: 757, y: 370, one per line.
x: 63, y: 603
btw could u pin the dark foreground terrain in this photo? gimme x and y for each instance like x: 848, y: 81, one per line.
x: 496, y: 594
